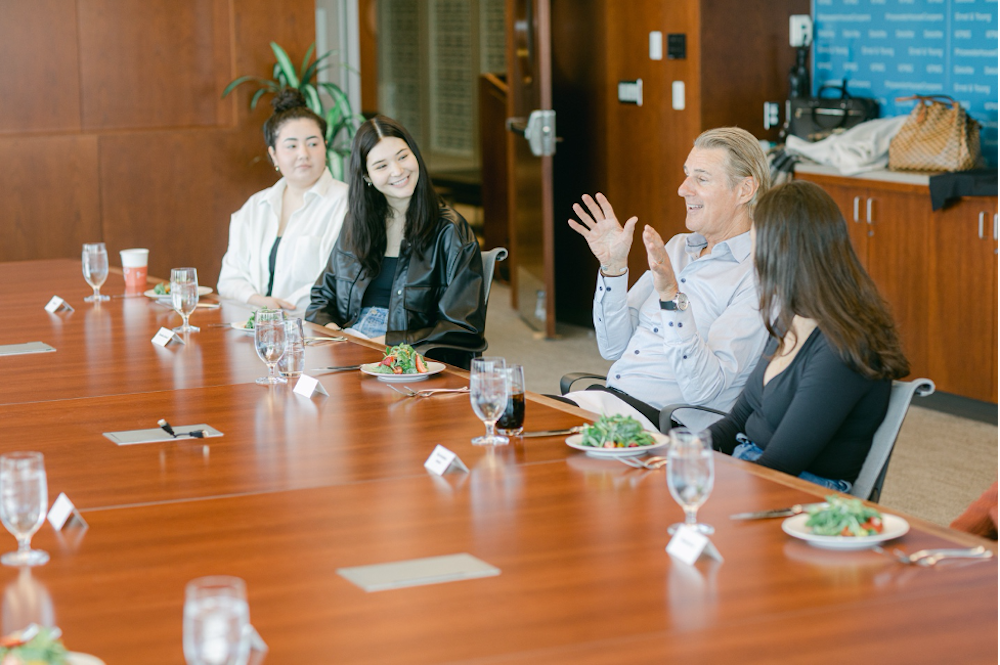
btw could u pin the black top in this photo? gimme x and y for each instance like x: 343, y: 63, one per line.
x: 270, y: 265
x: 378, y: 291
x: 818, y: 415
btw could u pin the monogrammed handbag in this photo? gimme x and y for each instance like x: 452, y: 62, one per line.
x: 937, y: 136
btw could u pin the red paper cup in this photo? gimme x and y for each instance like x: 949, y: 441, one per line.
x: 134, y: 267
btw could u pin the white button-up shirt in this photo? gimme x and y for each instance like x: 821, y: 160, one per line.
x: 305, y: 245
x: 702, y: 355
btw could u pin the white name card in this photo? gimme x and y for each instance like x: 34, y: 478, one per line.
x: 307, y: 386
x: 689, y: 545
x: 443, y: 460
x: 63, y: 512
x: 164, y: 336
x: 56, y: 304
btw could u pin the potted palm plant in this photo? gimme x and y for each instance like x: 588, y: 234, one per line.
x: 341, y: 121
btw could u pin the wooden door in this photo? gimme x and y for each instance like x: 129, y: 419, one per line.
x: 898, y: 224
x: 530, y: 194
x: 851, y: 201
x: 962, y: 299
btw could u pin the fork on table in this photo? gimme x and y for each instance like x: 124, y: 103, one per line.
x: 410, y: 392
x: 648, y: 463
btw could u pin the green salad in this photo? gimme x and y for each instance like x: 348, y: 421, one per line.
x: 162, y: 289
x: 841, y: 516
x: 42, y: 646
x: 616, y: 431
x: 401, y: 359
x: 249, y: 324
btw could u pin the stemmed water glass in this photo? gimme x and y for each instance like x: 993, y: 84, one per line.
x: 488, y: 393
x: 690, y: 474
x: 95, y: 269
x: 270, y: 339
x: 216, y: 621
x: 24, y: 500
x: 184, y: 296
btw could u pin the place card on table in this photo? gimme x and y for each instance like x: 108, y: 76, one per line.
x: 56, y: 304
x: 164, y: 336
x: 689, y: 545
x: 308, y: 386
x: 417, y: 572
x: 443, y: 460
x: 22, y: 349
x: 157, y: 435
x: 63, y: 512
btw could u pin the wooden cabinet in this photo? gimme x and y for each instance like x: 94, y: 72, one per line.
x: 937, y: 271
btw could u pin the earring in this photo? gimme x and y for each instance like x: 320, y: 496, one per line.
x: 276, y: 168
x: 367, y: 180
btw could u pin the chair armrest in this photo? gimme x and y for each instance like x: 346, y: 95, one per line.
x: 567, y: 381
x: 667, y: 414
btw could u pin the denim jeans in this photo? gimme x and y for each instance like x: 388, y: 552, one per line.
x: 750, y: 452
x: 372, y: 322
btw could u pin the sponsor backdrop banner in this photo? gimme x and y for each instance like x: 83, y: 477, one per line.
x: 895, y: 48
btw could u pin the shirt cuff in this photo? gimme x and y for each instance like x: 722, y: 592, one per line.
x: 611, y: 285
x: 678, y: 325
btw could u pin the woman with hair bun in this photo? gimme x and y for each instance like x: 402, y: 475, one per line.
x: 407, y: 268
x: 280, y: 239
x: 812, y: 405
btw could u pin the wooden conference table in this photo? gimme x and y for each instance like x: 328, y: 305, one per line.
x: 297, y: 488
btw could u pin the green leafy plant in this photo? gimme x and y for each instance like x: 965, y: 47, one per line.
x: 341, y: 121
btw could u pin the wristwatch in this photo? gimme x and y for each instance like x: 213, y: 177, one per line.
x: 679, y: 303
x: 607, y: 272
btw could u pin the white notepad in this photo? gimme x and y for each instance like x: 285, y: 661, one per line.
x: 157, y: 435
x: 21, y: 349
x: 416, y: 572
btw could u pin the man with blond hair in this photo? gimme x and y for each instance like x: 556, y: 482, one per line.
x: 689, y: 330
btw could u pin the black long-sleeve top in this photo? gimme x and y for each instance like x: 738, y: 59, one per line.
x: 817, y: 415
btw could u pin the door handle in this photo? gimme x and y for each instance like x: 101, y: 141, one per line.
x: 857, y: 209
x: 868, y: 216
x: 982, y: 220
x: 539, y: 130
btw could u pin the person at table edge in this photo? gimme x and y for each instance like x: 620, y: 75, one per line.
x: 821, y: 389
x: 688, y: 330
x: 280, y: 239
x: 406, y: 268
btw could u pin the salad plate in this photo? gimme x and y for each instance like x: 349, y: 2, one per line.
x: 432, y: 368
x: 241, y: 326
x: 892, y: 527
x: 576, y: 441
x: 151, y: 293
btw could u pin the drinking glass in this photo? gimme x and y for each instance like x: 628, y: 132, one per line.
x: 184, y: 296
x: 95, y: 269
x: 690, y: 474
x: 488, y: 393
x: 511, y: 423
x: 24, y: 500
x: 216, y: 621
x: 269, y: 338
x: 294, y: 359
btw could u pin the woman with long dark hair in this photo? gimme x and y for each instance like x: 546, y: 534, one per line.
x: 406, y: 268
x: 821, y: 389
x: 281, y: 237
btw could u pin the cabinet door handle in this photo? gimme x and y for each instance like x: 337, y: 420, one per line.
x: 868, y: 216
x: 996, y: 231
x: 982, y: 219
x: 857, y: 207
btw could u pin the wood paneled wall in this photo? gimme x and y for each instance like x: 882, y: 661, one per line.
x: 112, y: 127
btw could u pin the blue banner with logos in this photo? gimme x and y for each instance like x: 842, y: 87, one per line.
x: 896, y: 48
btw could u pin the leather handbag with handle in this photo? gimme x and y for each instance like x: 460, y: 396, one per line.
x: 815, y: 118
x: 937, y: 136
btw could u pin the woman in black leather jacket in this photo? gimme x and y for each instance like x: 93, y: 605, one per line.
x: 406, y: 267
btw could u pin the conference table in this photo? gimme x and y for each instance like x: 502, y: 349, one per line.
x: 299, y: 487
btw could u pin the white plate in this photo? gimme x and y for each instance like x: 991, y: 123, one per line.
x: 576, y: 441
x: 202, y: 291
x: 77, y: 658
x: 241, y: 326
x: 892, y: 527
x: 432, y: 368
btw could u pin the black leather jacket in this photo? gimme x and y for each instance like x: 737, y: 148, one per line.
x: 436, y: 300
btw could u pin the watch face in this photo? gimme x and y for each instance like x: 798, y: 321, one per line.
x: 681, y: 300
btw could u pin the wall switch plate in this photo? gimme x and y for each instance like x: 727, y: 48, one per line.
x: 630, y: 92
x: 800, y: 30
x: 677, y: 95
x: 656, y: 45
x: 771, y: 110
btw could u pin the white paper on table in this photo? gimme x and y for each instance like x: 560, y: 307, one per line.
x: 443, y: 460
x: 63, y: 512
x: 164, y: 336
x: 307, y: 386
x: 57, y: 303
x: 689, y: 545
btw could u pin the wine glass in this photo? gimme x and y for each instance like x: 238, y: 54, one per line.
x: 488, y: 393
x: 690, y: 474
x: 24, y: 500
x: 95, y: 269
x: 270, y: 339
x: 216, y: 621
x: 184, y: 296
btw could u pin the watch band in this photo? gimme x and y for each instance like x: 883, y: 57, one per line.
x: 606, y: 271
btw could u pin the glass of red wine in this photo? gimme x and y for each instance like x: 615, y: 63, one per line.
x: 511, y: 423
